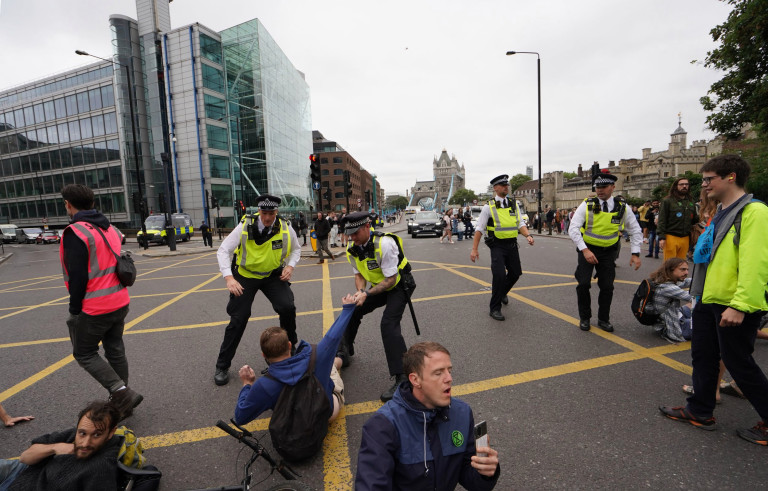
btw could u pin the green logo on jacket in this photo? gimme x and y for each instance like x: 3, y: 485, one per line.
x: 457, y: 438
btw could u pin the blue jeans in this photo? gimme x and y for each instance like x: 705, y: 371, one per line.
x: 9, y: 471
x: 653, y: 239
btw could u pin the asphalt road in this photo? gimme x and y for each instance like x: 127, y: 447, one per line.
x: 565, y: 409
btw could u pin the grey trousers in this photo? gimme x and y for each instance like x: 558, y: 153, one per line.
x: 86, y: 332
x: 322, y: 245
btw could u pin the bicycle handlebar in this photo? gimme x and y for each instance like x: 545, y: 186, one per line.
x: 282, y: 468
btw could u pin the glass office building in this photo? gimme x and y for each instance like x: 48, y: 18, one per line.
x: 206, y: 106
x: 57, y: 131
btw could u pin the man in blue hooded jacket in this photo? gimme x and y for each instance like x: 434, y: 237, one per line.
x: 394, y: 453
x: 257, y: 396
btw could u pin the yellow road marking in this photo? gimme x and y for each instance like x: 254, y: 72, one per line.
x: 29, y: 279
x: 68, y: 359
x: 327, y: 299
x: 16, y: 288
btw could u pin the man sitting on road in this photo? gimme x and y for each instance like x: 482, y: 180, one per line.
x: 257, y: 396
x: 82, y: 458
x: 424, y: 438
x: 669, y: 298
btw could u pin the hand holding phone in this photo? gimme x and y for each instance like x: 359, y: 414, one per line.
x: 481, y: 437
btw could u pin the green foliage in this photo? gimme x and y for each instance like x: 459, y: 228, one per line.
x: 741, y: 96
x: 462, y: 196
x: 516, y: 181
x: 569, y: 175
x: 662, y: 191
x: 756, y: 153
x: 397, y: 202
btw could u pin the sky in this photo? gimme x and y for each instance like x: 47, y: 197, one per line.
x: 396, y: 82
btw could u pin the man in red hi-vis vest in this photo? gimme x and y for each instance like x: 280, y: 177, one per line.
x: 98, y: 303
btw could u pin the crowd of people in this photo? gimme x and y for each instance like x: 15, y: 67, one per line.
x: 422, y: 435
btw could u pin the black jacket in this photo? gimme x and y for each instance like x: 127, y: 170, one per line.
x: 322, y: 228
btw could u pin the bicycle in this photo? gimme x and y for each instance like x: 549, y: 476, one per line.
x: 248, y: 439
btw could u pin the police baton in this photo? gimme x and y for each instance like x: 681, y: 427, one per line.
x: 413, y: 316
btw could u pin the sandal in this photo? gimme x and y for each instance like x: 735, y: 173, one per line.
x: 688, y: 389
x: 730, y: 389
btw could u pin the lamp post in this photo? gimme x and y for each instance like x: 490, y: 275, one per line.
x: 135, y: 140
x: 538, y: 73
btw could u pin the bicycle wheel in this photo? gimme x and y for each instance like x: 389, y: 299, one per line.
x: 291, y: 486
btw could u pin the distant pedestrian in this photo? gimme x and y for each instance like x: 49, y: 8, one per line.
x: 469, y: 229
x: 651, y: 217
x: 303, y: 227
x: 447, y: 226
x: 550, y: 217
x: 322, y: 229
x: 333, y: 221
x: 205, y: 230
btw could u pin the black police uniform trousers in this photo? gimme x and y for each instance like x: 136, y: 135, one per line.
x: 394, y: 302
x: 279, y: 294
x: 606, y: 273
x: 505, y: 268
x: 734, y: 344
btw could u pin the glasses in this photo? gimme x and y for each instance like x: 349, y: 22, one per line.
x: 707, y: 180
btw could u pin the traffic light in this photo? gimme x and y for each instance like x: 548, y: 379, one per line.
x: 161, y: 202
x: 241, y: 207
x: 368, y: 196
x: 139, y: 206
x: 214, y: 202
x: 595, y: 172
x: 347, y: 184
x: 327, y: 195
x: 314, y: 167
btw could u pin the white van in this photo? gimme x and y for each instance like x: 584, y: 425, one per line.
x: 28, y: 235
x: 8, y: 233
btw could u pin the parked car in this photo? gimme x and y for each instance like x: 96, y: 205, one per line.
x: 48, y: 238
x: 8, y: 233
x: 28, y: 235
x: 122, y: 235
x: 425, y: 222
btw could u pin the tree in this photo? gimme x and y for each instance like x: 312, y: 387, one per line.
x: 741, y: 96
x: 517, y: 181
x: 397, y: 202
x: 569, y: 175
x: 462, y: 196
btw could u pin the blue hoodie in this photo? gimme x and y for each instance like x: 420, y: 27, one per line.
x: 406, y: 446
x: 262, y: 395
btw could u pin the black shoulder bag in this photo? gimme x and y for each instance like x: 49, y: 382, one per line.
x: 125, y: 269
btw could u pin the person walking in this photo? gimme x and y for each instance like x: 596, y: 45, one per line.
x: 342, y: 218
x: 501, y: 218
x: 677, y: 216
x: 378, y: 258
x: 447, y: 226
x: 469, y: 229
x: 595, y: 230
x: 266, y: 251
x: 205, y: 231
x: 334, y: 228
x: 322, y: 229
x: 303, y: 227
x: 729, y: 280
x: 550, y: 216
x: 651, y: 217
x: 98, y: 302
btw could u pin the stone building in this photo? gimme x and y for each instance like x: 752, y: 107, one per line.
x: 637, y: 177
x: 448, y: 177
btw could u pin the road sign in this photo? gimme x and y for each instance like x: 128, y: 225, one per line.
x: 359, y: 201
x: 316, y: 185
x: 474, y: 201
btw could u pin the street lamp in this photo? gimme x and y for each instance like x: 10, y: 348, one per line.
x: 239, y: 158
x: 538, y: 73
x: 135, y: 140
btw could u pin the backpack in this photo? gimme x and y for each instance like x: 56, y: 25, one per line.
x: 642, y: 303
x: 299, y: 420
x: 131, y: 451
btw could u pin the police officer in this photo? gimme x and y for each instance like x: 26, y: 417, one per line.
x: 266, y: 251
x: 500, y: 217
x: 378, y: 258
x: 595, y: 229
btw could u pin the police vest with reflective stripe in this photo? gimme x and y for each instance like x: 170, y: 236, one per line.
x: 370, y: 267
x: 103, y: 292
x: 602, y: 228
x: 259, y: 260
x: 505, y: 221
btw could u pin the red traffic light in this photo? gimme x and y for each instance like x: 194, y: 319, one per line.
x: 313, y: 158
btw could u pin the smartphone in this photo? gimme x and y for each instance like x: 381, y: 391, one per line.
x: 481, y: 437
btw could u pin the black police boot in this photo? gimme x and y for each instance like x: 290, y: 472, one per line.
x: 221, y: 377
x: 390, y: 393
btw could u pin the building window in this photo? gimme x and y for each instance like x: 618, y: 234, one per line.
x: 338, y: 183
x: 107, y: 97
x: 324, y: 172
x: 339, y: 195
x: 217, y: 137
x: 338, y: 172
x: 219, y: 166
x: 213, y: 79
x: 337, y: 160
x: 215, y: 107
x: 210, y: 48
x: 223, y: 193
x: 324, y: 160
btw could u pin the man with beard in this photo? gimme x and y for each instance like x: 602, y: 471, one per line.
x: 677, y: 216
x: 82, y: 458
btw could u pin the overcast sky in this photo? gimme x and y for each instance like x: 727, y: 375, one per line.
x: 396, y: 82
